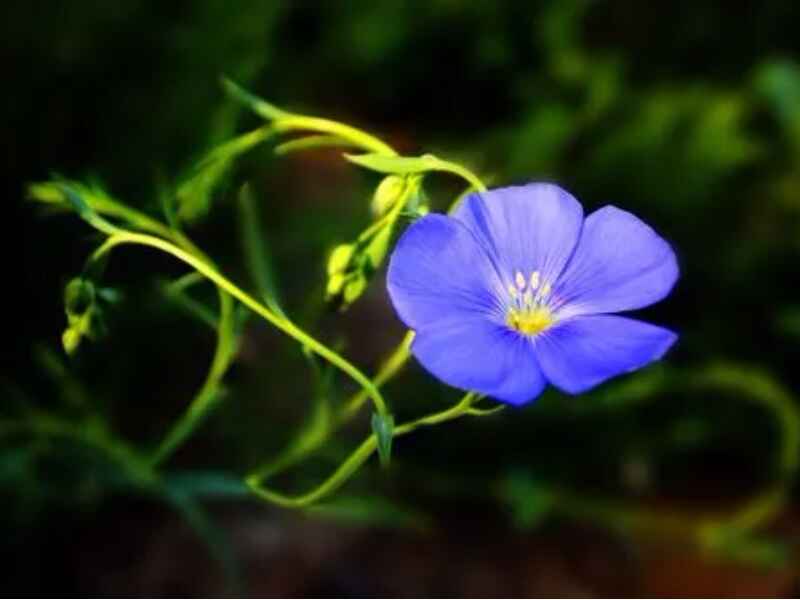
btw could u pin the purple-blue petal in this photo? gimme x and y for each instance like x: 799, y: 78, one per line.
x: 526, y: 228
x: 439, y: 273
x: 581, y: 352
x: 620, y: 264
x: 483, y: 357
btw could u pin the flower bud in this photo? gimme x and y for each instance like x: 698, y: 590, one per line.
x: 386, y: 194
x: 340, y: 259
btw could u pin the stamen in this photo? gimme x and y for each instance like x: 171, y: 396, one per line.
x: 527, y: 298
x: 529, y: 313
x: 530, y: 322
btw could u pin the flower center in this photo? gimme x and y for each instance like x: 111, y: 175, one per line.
x: 528, y: 312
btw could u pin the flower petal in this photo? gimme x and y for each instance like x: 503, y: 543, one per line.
x: 620, y: 264
x: 438, y: 272
x: 483, y: 357
x: 581, y: 352
x: 527, y: 228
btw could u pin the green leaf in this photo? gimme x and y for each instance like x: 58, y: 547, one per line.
x: 311, y: 142
x: 779, y: 84
x: 741, y: 546
x: 215, y: 539
x: 396, y: 165
x: 77, y: 202
x: 383, y: 427
x: 194, y: 194
x: 256, y: 250
x: 253, y: 102
x: 411, y: 165
x: 47, y: 192
x: 373, y: 511
x: 76, y: 196
x: 206, y: 484
x: 530, y: 501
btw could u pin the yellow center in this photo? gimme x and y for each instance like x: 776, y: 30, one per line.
x: 530, y: 321
x: 528, y: 312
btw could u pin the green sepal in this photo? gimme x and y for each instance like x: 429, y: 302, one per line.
x: 383, y: 428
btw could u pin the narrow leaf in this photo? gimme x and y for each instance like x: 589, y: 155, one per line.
x: 257, y: 105
x: 383, y: 427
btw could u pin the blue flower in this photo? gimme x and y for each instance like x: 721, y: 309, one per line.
x: 516, y: 289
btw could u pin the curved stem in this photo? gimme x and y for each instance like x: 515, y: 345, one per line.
x: 223, y: 283
x: 397, y: 359
x: 304, y: 444
x: 209, y: 392
x: 223, y: 353
x: 357, y: 137
x: 463, y: 172
x: 355, y: 460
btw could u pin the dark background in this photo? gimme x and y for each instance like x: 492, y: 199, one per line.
x: 686, y: 113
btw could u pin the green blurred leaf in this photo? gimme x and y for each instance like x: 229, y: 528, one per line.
x: 371, y: 510
x: 194, y: 194
x: 204, y: 484
x: 530, y: 500
x: 778, y: 82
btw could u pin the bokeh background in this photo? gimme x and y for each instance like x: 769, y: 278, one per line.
x: 674, y: 481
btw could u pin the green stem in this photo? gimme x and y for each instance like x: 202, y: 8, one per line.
x: 355, y: 460
x: 209, y: 392
x: 175, y: 291
x: 226, y: 285
x: 387, y: 371
x: 463, y: 172
x: 355, y: 136
x: 311, y: 142
x: 304, y: 444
